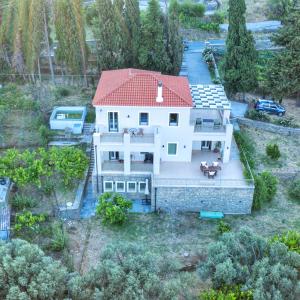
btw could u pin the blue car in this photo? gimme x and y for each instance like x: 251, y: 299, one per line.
x: 270, y: 107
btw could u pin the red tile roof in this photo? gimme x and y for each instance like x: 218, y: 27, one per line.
x: 133, y: 87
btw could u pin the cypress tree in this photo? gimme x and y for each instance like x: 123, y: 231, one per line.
x: 175, y: 47
x: 284, y: 70
x: 133, y: 23
x: 153, y: 51
x: 240, y: 74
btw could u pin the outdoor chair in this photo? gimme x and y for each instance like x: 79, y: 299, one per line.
x: 140, y: 132
x: 125, y: 130
x: 216, y: 165
x: 212, y: 174
x: 203, y: 165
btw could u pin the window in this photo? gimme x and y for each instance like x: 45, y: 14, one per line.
x: 131, y: 187
x: 142, y: 187
x: 120, y: 186
x: 173, y: 120
x: 144, y: 119
x: 108, y: 186
x: 172, y: 148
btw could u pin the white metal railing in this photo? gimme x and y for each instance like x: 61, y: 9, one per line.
x: 111, y: 138
x: 190, y: 182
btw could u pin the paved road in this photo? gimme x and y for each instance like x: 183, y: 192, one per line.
x: 197, y: 69
x: 264, y: 26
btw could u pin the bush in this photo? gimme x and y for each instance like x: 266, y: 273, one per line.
x: 59, y: 239
x: 20, y: 202
x: 218, y: 17
x: 265, y: 189
x: 291, y: 239
x: 62, y: 92
x: 113, y: 208
x: 286, y: 122
x: 227, y: 293
x: 190, y: 9
x: 45, y: 134
x: 223, y: 227
x: 250, y: 261
x: 294, y: 189
x: 272, y: 151
x: 28, y: 221
x: 91, y: 116
x: 257, y: 115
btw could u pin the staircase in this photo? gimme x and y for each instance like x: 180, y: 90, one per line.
x: 92, y: 160
x: 88, y: 128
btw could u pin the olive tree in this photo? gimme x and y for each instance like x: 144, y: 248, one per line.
x: 26, y: 273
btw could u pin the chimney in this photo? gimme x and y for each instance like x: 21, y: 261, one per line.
x: 159, y: 97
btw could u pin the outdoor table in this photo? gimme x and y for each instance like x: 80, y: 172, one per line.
x: 133, y: 131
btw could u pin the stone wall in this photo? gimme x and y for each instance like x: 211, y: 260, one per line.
x: 227, y: 200
x: 269, y: 127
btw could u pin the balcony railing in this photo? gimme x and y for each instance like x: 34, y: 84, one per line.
x: 146, y: 138
x: 111, y: 138
x: 118, y: 138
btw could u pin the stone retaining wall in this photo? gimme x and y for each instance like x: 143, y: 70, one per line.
x: 227, y: 200
x: 269, y: 127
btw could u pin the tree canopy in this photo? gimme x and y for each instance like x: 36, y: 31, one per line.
x: 240, y: 74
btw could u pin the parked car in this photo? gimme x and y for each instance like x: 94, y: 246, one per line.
x: 269, y: 106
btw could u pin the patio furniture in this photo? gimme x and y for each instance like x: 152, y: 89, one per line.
x: 133, y: 131
x: 140, y: 132
x: 125, y: 130
x: 216, y: 165
x: 203, y: 165
x: 217, y: 124
x: 212, y: 174
x: 205, y: 170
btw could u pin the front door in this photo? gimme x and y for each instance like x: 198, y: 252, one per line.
x: 113, y: 155
x: 206, y: 145
x: 113, y: 122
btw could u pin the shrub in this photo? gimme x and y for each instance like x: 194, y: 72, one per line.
x: 91, y: 116
x: 273, y: 152
x: 62, y: 92
x: 294, y: 189
x: 190, y: 9
x: 218, y: 17
x: 227, y: 293
x: 223, y: 227
x: 257, y: 115
x: 59, y: 239
x: 270, y: 182
x: 28, y: 221
x: 253, y: 263
x: 291, y: 239
x: 286, y: 122
x: 265, y: 189
x: 20, y: 202
x: 113, y: 208
x: 45, y: 134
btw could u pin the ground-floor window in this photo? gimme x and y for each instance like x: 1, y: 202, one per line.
x: 120, y: 186
x: 142, y: 187
x: 131, y: 187
x: 108, y: 186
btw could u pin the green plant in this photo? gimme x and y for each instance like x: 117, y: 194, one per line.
x: 270, y: 182
x: 286, y: 122
x: 20, y: 202
x: 291, y: 239
x: 113, y: 208
x: 91, y: 116
x: 26, y: 220
x: 257, y: 115
x: 294, y: 189
x: 45, y: 134
x: 59, y: 238
x: 223, y: 227
x: 62, y: 92
x: 227, y: 293
x: 273, y: 151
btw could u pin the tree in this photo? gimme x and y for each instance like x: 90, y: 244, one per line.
x: 280, y: 9
x: 284, y: 68
x: 130, y: 271
x: 106, y: 26
x: 113, y: 208
x: 249, y: 261
x: 175, y: 46
x: 153, y: 51
x: 240, y: 74
x: 70, y: 33
x: 26, y: 273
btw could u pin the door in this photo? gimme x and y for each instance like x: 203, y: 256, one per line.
x: 206, y: 145
x: 113, y: 155
x: 113, y: 122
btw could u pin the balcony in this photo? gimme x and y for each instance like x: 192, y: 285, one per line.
x: 208, y: 125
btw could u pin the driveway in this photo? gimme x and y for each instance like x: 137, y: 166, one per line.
x: 197, y: 69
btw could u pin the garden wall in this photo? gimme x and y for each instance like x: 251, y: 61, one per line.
x: 269, y: 127
x: 229, y: 200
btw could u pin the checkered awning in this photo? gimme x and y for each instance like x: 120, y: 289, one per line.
x: 209, y: 96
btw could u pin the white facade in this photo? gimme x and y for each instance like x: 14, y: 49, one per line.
x: 119, y: 151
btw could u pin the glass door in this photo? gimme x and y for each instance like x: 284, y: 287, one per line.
x: 206, y: 145
x: 113, y: 124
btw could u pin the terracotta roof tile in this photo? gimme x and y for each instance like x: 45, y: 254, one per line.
x: 132, y: 87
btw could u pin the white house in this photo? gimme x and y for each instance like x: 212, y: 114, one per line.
x: 153, y: 131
